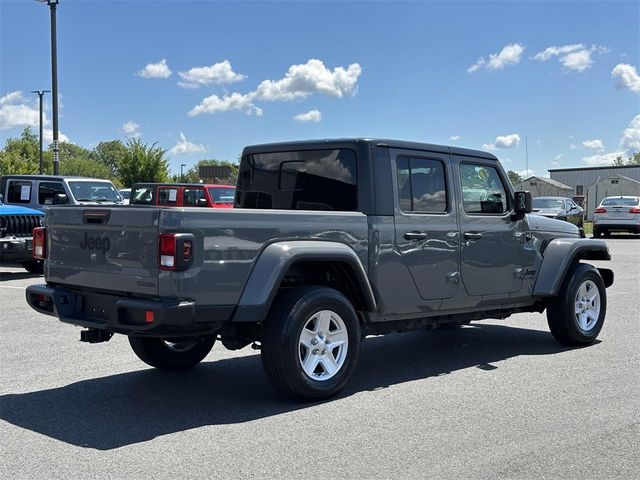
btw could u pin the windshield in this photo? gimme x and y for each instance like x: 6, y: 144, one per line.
x: 88, y: 191
x: 622, y: 202
x: 548, y: 203
x: 223, y: 195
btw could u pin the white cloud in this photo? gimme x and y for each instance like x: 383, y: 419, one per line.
x: 155, y: 70
x: 303, y: 80
x: 572, y: 146
x: 311, y: 116
x: 627, y: 77
x: 300, y: 81
x: 630, y: 140
x: 185, y: 147
x: 601, y: 159
x: 595, y: 144
x: 47, y: 136
x: 12, y: 97
x: 235, y: 101
x: 509, y: 55
x: 525, y: 173
x: 454, y: 138
x: 216, y: 74
x: 504, y: 141
x: 131, y: 129
x: 576, y: 57
x: 13, y: 116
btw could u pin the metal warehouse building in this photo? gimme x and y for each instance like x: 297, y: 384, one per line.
x: 582, y: 178
x: 545, y: 187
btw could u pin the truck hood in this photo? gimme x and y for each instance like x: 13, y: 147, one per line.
x: 544, y: 224
x: 15, y: 210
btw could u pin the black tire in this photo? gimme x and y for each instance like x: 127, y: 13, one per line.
x: 33, y: 267
x: 282, y: 352
x: 596, y: 233
x: 562, y: 315
x: 171, y: 354
x: 607, y: 233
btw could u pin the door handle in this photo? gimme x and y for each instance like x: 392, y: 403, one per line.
x: 415, y: 235
x: 472, y: 235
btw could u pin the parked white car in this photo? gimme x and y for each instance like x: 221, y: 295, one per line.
x: 617, y: 214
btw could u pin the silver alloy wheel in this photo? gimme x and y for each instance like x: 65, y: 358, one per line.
x: 323, y: 344
x: 587, y: 305
x: 180, y: 346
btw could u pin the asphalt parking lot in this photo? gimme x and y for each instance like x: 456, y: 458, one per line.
x: 498, y: 399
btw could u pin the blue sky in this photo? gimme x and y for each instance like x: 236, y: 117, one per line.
x: 564, y: 74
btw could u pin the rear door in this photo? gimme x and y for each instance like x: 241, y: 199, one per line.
x: 102, y: 248
x: 492, y: 242
x: 425, y: 222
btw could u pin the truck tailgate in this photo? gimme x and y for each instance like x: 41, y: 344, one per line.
x: 103, y: 248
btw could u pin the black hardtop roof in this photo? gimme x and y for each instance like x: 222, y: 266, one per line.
x: 51, y: 177
x: 185, y: 184
x: 346, y: 142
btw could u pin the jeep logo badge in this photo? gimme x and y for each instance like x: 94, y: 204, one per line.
x: 95, y: 243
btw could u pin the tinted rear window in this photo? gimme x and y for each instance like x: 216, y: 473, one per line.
x: 299, y: 180
x: 623, y: 202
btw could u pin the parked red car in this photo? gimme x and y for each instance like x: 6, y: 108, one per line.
x: 183, y: 195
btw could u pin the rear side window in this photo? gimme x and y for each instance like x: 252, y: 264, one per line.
x: 19, y: 191
x: 168, y: 196
x: 222, y: 195
x: 299, y: 180
x: 482, y: 190
x: 421, y: 185
x: 194, y: 197
x: 48, y: 191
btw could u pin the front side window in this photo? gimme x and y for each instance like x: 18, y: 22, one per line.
x: 48, y: 193
x: 421, y: 185
x: 482, y: 190
x: 194, y: 197
x: 19, y: 192
x: 299, y: 180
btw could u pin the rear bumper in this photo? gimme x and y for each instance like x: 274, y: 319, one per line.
x: 129, y: 316
x: 15, y: 250
x: 612, y: 225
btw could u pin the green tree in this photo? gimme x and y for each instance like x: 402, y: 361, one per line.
x: 22, y: 155
x: 515, y: 177
x: 632, y: 160
x: 143, y: 163
x: 110, y: 154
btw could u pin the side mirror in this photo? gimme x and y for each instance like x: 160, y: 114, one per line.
x: 60, y: 199
x: 1, y: 198
x: 523, y: 202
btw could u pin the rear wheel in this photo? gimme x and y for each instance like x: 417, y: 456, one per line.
x: 171, y: 353
x: 577, y: 314
x: 310, y: 343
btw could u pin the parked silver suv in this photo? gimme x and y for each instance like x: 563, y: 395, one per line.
x: 617, y: 214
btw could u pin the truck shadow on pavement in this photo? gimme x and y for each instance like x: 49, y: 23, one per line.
x: 124, y: 409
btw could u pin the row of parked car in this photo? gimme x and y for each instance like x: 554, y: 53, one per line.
x: 24, y: 198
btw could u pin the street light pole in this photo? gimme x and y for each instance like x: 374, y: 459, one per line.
x: 40, y: 95
x: 182, y: 165
x: 54, y: 82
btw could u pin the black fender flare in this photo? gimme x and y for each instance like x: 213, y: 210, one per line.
x: 560, y: 255
x: 272, y: 265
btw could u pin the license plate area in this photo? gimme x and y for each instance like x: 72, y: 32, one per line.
x: 96, y: 306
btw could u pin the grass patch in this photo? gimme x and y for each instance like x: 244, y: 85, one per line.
x: 588, y: 228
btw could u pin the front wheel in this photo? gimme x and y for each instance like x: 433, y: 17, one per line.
x: 171, y: 353
x: 577, y: 314
x: 310, y: 343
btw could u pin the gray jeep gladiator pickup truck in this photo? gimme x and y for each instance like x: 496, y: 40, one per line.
x: 331, y: 241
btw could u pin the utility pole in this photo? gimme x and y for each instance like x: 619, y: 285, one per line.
x: 40, y: 95
x: 526, y: 154
x: 54, y: 82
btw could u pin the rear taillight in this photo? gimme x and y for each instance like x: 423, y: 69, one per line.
x: 167, y: 251
x: 39, y: 243
x: 601, y: 210
x: 635, y: 210
x: 175, y: 251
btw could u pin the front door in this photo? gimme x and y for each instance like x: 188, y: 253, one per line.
x: 491, y: 240
x: 425, y: 222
